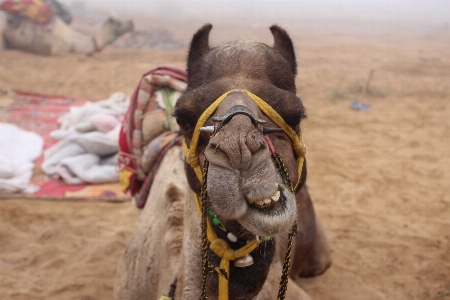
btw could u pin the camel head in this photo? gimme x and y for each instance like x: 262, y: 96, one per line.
x: 246, y: 188
x: 114, y: 28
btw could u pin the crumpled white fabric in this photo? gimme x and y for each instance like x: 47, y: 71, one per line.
x: 83, y: 158
x: 18, y: 149
x: 116, y: 105
x: 86, y: 153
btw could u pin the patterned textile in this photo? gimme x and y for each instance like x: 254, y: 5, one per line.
x: 35, y: 10
x: 41, y: 113
x: 145, y: 134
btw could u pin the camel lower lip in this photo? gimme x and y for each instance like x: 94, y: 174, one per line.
x: 271, y: 220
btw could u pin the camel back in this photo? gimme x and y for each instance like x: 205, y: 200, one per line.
x: 51, y: 39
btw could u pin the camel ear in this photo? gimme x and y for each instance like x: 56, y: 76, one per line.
x: 283, y: 44
x: 199, y: 45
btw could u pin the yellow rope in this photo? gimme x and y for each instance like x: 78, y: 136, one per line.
x: 192, y: 155
x: 297, y: 141
x: 219, y: 246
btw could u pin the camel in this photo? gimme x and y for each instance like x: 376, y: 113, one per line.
x: 57, y: 37
x: 232, y: 217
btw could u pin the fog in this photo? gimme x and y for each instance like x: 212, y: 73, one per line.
x: 363, y: 15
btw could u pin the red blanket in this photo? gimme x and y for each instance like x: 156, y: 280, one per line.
x: 39, y: 113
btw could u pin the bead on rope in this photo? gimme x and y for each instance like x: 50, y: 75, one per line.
x: 215, y: 219
x: 232, y: 237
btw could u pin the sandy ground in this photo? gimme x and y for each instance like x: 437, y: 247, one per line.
x: 379, y: 178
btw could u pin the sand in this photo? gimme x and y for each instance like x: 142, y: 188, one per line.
x: 379, y: 178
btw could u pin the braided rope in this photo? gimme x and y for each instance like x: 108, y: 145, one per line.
x: 205, y: 266
x: 287, y: 265
x: 287, y: 259
x: 284, y: 172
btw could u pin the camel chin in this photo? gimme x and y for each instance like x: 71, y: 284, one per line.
x: 264, y: 208
x: 273, y: 218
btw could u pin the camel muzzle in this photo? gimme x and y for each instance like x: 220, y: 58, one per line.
x: 208, y: 233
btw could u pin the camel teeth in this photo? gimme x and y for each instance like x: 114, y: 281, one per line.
x: 276, y: 196
x: 260, y: 202
x: 267, y: 201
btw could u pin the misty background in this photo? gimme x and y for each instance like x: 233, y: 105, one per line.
x: 337, y: 15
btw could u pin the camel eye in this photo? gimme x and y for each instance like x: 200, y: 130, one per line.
x: 185, y: 120
x: 180, y: 121
x: 289, y: 106
x: 294, y: 119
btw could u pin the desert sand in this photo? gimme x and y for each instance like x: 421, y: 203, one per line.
x: 380, y: 178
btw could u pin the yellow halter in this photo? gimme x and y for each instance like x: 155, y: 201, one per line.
x: 219, y: 246
x: 297, y: 141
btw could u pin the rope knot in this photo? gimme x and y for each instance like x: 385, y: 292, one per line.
x: 221, y: 248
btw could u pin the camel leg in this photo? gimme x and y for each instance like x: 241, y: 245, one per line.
x: 311, y: 255
x: 319, y: 258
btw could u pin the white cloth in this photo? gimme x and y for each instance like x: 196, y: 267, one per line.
x: 87, y: 152
x: 18, y: 150
x: 116, y: 105
x: 84, y: 157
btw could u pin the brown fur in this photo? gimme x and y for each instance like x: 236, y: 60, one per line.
x: 241, y: 171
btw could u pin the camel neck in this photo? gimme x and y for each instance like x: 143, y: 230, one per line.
x: 248, y: 281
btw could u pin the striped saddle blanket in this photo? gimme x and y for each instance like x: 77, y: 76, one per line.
x: 149, y: 130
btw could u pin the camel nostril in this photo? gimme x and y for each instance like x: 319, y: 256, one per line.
x: 214, y: 143
x: 254, y: 141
